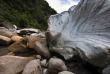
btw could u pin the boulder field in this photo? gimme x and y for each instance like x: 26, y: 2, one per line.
x: 77, y: 41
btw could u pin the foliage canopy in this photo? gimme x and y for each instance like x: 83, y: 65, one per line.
x: 26, y: 13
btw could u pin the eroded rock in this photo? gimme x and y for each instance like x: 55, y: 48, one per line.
x: 84, y: 30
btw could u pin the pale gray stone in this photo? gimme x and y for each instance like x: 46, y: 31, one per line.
x: 85, y: 31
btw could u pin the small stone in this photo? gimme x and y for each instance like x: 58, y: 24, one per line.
x: 38, y: 57
x: 44, y: 63
x: 44, y: 71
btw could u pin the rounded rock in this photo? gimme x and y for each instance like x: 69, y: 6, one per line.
x: 56, y: 65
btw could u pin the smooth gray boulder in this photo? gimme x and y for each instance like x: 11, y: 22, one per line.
x: 83, y: 31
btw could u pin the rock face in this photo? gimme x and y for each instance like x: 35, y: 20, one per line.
x: 4, y: 40
x: 56, y: 65
x: 12, y: 64
x: 84, y: 31
x: 33, y: 67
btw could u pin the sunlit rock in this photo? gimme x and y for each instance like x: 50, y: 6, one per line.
x: 83, y: 31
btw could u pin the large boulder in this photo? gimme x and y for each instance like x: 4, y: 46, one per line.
x: 42, y: 49
x: 44, y: 63
x: 19, y: 46
x: 32, y: 40
x: 13, y: 64
x: 8, y: 26
x: 6, y: 33
x: 4, y: 40
x: 7, y: 29
x: 16, y: 38
x: 33, y: 67
x: 56, y: 65
x: 83, y: 31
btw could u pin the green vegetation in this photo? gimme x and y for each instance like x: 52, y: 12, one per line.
x: 26, y: 13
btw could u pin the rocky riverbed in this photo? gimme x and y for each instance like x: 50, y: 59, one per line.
x: 77, y: 42
x: 25, y: 51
